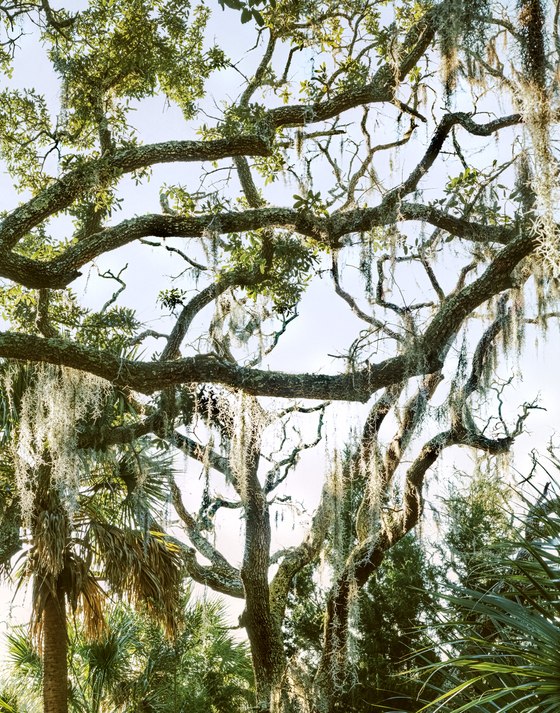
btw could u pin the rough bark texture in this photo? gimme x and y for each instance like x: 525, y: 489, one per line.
x: 263, y: 629
x: 55, y: 652
x: 425, y: 355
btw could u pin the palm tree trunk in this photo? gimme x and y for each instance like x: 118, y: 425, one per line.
x: 50, y: 533
x: 55, y: 652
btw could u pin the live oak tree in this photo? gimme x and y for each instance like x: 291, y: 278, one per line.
x: 416, y: 139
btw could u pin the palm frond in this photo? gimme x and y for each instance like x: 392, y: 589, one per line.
x: 23, y: 686
x: 507, y: 642
x: 129, y: 485
x: 109, y: 660
x: 146, y: 567
x: 84, y: 594
x: 8, y: 704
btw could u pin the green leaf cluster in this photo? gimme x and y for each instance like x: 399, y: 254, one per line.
x: 249, y: 10
x: 244, y: 119
x: 278, y: 271
x: 390, y: 626
x: 25, y: 133
x: 117, y: 52
x: 506, y: 638
x: 311, y: 201
x: 133, y: 666
x: 171, y: 298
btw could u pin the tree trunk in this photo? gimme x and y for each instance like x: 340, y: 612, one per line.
x: 55, y: 652
x: 50, y: 532
x: 264, y: 632
x: 333, y: 671
x: 267, y: 652
x: 263, y: 628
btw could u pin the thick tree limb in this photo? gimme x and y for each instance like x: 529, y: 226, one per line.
x: 263, y: 630
x: 441, y: 133
x: 119, y: 435
x: 380, y: 89
x: 203, y: 454
x: 91, y: 174
x: 202, y: 299
x: 370, y: 551
x: 426, y: 355
x: 298, y: 557
x: 208, y: 576
x: 413, y: 413
x: 64, y: 269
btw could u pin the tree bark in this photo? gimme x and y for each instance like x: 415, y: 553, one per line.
x: 264, y: 632
x: 263, y: 627
x: 55, y: 652
x: 50, y: 533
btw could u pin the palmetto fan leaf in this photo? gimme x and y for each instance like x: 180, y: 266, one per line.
x: 86, y: 513
x: 202, y: 669
x: 6, y: 706
x: 22, y: 688
x: 107, y: 662
x: 134, y: 667
x: 508, y: 640
x: 128, y: 486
